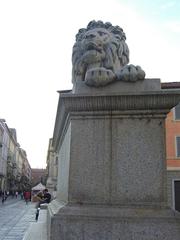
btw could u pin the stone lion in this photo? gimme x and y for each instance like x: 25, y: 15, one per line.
x: 100, y: 56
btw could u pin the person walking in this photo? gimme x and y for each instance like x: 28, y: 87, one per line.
x: 22, y: 195
x: 7, y: 194
x: 16, y: 193
x: 27, y: 196
x: 4, y: 196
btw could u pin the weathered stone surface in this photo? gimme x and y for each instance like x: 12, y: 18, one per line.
x: 123, y: 103
x: 63, y: 167
x: 100, y: 56
x: 105, y: 222
x: 138, y: 160
x: 110, y: 159
x: 111, y: 182
x: 118, y: 87
x: 110, y: 145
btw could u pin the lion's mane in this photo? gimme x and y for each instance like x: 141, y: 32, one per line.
x: 116, y: 50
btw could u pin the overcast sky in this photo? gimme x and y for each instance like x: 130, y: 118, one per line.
x: 36, y: 39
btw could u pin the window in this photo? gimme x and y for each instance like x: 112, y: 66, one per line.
x: 177, y: 112
x: 177, y: 195
x: 178, y: 146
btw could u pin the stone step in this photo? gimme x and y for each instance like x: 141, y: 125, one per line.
x: 36, y: 231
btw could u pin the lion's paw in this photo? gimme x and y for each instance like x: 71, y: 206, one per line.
x: 99, y: 77
x: 131, y: 73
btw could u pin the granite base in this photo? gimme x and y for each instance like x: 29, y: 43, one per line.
x: 75, y: 222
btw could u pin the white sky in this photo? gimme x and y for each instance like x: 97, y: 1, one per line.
x: 36, y: 39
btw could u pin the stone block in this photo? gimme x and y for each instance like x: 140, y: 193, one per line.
x: 118, y: 87
x: 108, y: 223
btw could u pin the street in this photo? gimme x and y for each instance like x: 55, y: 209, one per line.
x: 15, y: 218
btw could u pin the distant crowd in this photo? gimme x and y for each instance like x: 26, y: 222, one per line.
x: 41, y: 196
x: 26, y: 195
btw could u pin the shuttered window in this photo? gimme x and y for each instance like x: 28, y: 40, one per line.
x: 177, y: 112
x: 178, y: 146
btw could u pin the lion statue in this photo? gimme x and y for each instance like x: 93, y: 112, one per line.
x: 100, y: 56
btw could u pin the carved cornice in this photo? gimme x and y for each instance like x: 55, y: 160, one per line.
x: 156, y: 102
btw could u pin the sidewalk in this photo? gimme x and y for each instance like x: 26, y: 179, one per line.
x: 15, y: 218
x: 9, y: 201
x: 38, y: 230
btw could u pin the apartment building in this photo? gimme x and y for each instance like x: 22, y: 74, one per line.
x: 4, y: 145
x: 12, y: 160
x: 172, y: 127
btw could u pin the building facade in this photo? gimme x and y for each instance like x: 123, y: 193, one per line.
x: 12, y: 159
x: 38, y: 175
x: 173, y: 151
x: 173, y: 157
x: 52, y: 168
x: 12, y: 178
x: 4, y: 146
x: 25, y: 179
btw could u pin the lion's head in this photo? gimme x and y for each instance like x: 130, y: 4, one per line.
x: 101, y: 47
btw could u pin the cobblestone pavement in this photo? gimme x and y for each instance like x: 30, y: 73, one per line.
x: 15, y: 218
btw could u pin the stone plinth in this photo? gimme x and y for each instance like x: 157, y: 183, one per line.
x: 118, y: 87
x: 112, y: 166
x: 91, y: 222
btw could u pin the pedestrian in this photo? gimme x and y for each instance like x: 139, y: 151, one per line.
x: 4, y: 196
x: 7, y: 194
x: 16, y: 193
x: 27, y: 196
x: 22, y: 195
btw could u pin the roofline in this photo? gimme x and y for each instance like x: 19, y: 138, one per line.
x: 170, y: 85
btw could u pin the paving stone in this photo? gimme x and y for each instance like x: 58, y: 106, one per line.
x: 15, y: 218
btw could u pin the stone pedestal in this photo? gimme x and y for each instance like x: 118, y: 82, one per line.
x: 112, y: 165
